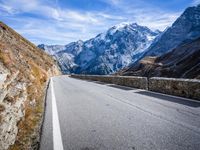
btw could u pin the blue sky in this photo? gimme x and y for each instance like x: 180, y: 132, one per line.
x: 64, y: 21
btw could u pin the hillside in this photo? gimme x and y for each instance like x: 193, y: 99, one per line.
x: 175, y: 53
x: 184, y: 29
x: 24, y: 72
x: 181, y: 62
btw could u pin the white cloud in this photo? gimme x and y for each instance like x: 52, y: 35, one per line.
x: 37, y: 7
x: 145, y: 14
x: 20, y: 5
x: 115, y: 2
x: 196, y: 2
x: 61, y: 26
x: 155, y: 21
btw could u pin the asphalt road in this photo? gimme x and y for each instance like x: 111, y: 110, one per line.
x: 97, y: 116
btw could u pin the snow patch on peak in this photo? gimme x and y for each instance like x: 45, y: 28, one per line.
x: 150, y: 37
x: 119, y: 27
x: 122, y: 25
x: 101, y: 36
x: 80, y: 42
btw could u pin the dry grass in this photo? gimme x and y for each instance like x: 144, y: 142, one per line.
x: 2, y: 108
x: 5, y: 58
x: 148, y: 60
x: 32, y: 117
x: 1, y: 118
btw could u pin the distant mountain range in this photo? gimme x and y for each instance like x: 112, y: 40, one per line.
x: 107, y: 53
x: 130, y: 46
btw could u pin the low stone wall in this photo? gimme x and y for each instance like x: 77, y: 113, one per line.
x: 135, y: 82
x: 189, y: 88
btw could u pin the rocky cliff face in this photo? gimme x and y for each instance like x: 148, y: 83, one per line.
x: 24, y: 72
x: 175, y: 53
x: 185, y: 28
x: 181, y: 62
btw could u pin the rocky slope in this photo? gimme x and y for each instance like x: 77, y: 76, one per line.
x: 108, y: 52
x: 181, y: 62
x: 175, y: 53
x: 24, y: 72
x: 185, y: 28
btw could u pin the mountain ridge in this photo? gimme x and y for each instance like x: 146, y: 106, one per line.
x: 184, y: 32
x: 185, y: 28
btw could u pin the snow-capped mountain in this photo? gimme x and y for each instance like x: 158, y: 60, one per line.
x: 108, y: 52
x: 176, y: 52
x: 52, y: 49
x: 65, y: 55
x: 184, y: 29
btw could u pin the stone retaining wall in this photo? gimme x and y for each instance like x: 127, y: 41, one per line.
x: 135, y: 82
x: 189, y: 88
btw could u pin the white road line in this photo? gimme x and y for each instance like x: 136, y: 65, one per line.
x: 57, y: 138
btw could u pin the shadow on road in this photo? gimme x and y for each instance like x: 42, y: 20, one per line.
x: 169, y: 98
x: 98, y: 82
x: 112, y: 85
x: 121, y: 87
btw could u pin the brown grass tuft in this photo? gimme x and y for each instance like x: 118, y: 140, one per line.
x: 2, y: 108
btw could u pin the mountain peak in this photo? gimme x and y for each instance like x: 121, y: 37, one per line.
x: 80, y: 41
x: 127, y: 26
x: 122, y: 25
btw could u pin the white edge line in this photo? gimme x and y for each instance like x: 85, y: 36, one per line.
x: 57, y: 138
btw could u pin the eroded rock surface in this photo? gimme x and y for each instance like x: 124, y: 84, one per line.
x: 182, y: 62
x: 24, y: 73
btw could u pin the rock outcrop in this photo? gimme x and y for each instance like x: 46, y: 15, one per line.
x: 24, y: 73
x: 185, y: 28
x: 182, y: 62
x: 175, y: 53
